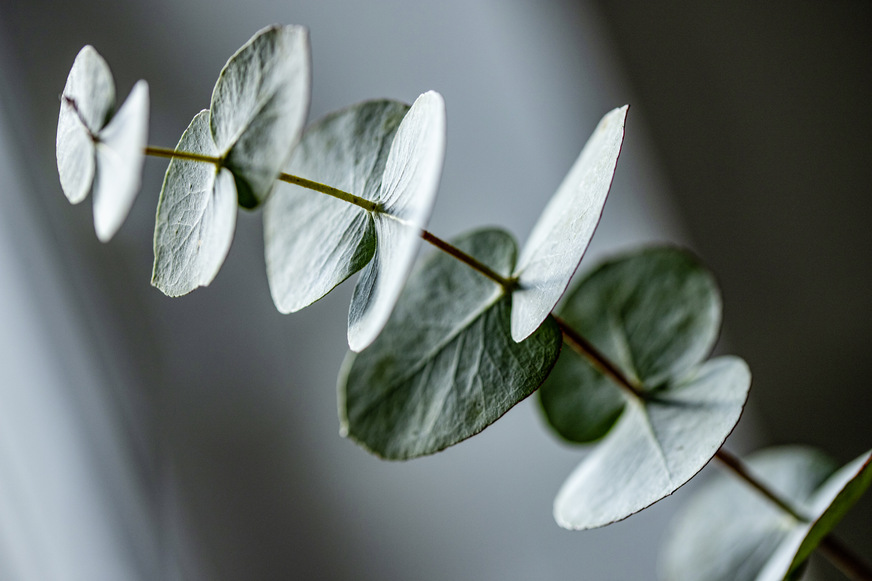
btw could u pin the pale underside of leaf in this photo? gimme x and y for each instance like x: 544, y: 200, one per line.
x: 826, y: 508
x: 730, y: 532
x: 561, y: 235
x: 259, y: 107
x: 87, y: 103
x: 196, y: 216
x: 407, y: 193
x: 656, y: 447
x: 445, y: 366
x: 655, y: 314
x: 313, y: 241
x: 120, y: 157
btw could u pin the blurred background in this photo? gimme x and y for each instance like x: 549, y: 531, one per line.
x: 143, y: 437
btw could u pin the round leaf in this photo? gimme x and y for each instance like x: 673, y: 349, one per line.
x: 445, y: 366
x: 655, y: 314
x: 120, y: 157
x: 86, y: 106
x: 313, y: 241
x: 729, y: 531
x: 563, y: 232
x: 406, y: 194
x: 196, y: 216
x: 259, y: 108
x: 659, y: 444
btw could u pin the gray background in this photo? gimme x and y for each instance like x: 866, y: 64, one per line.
x: 149, y: 438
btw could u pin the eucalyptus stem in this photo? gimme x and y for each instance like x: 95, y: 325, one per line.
x: 186, y: 155
x: 367, y: 205
x: 845, y: 560
x: 507, y: 283
x: 830, y: 547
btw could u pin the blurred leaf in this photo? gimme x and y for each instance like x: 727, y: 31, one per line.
x: 564, y: 230
x: 259, y: 108
x: 120, y: 157
x: 196, y: 216
x: 730, y: 532
x: 86, y: 106
x: 658, y: 444
x: 313, y: 241
x: 445, y: 366
x: 407, y: 193
x: 655, y: 314
x: 96, y: 150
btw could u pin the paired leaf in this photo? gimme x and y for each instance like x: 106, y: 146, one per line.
x: 561, y: 236
x: 655, y: 314
x: 314, y: 241
x: 406, y: 194
x: 445, y: 366
x: 658, y: 444
x: 259, y: 107
x: 728, y: 531
x: 98, y: 151
x: 196, y: 216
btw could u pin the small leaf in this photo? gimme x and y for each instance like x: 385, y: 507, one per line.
x: 313, y: 241
x: 655, y: 314
x: 259, y: 108
x: 196, y: 216
x: 96, y: 150
x: 561, y: 236
x: 659, y: 444
x: 407, y: 193
x: 729, y: 531
x: 86, y: 106
x: 445, y: 366
x: 120, y: 157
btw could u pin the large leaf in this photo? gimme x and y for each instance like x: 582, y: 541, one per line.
x: 98, y: 150
x: 445, y: 366
x: 259, y: 108
x: 196, y: 216
x: 655, y: 314
x: 406, y: 194
x: 563, y: 232
x: 730, y: 532
x: 659, y: 443
x: 313, y: 241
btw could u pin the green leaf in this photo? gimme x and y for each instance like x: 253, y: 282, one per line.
x: 729, y: 531
x: 561, y: 236
x: 406, y: 194
x: 97, y: 151
x: 445, y: 366
x: 655, y: 314
x: 259, y: 108
x: 313, y: 241
x: 196, y: 216
x: 658, y: 444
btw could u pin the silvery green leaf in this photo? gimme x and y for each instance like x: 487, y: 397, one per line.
x: 563, y: 232
x: 655, y: 314
x: 259, y: 108
x: 120, y: 155
x: 313, y: 241
x: 658, y: 444
x: 445, y: 366
x: 730, y: 532
x: 86, y: 106
x: 407, y: 193
x: 196, y: 216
